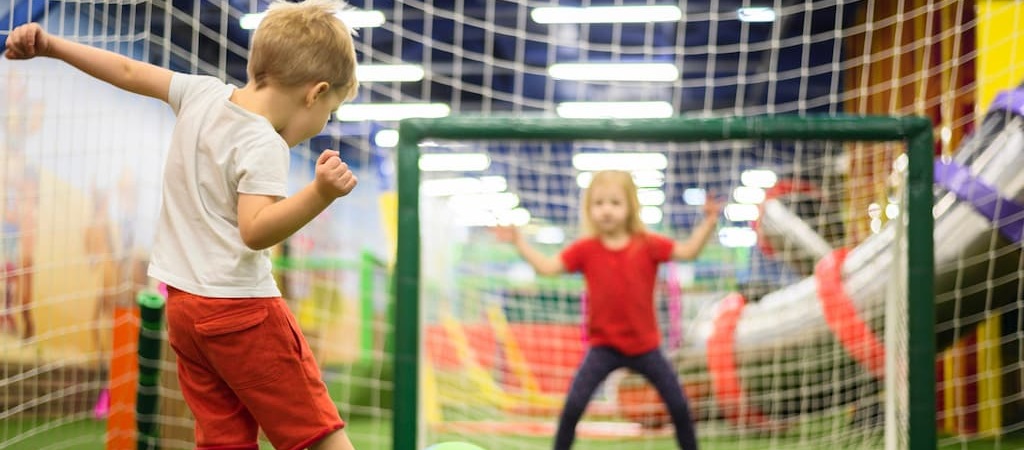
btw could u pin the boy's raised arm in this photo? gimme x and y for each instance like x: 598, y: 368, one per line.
x: 263, y: 221
x: 30, y: 40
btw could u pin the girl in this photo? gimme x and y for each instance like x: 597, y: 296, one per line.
x: 619, y: 260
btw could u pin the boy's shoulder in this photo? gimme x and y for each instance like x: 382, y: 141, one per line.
x: 188, y: 88
x: 189, y: 81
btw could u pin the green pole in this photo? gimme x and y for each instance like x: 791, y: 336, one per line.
x: 407, y: 280
x: 674, y: 129
x: 921, y: 290
x: 151, y: 311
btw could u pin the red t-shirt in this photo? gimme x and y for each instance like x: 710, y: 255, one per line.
x: 620, y: 289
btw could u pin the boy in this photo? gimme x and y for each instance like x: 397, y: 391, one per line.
x: 243, y: 363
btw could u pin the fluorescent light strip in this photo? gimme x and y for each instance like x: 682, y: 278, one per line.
x: 651, y: 197
x: 761, y: 178
x: 370, y: 73
x: 614, y: 72
x: 756, y: 14
x: 607, y: 14
x: 443, y: 187
x: 648, y: 178
x: 651, y: 214
x: 734, y: 237
x: 454, y: 162
x: 490, y: 218
x: 619, y: 161
x: 352, y: 18
x: 694, y: 196
x: 357, y: 112
x: 738, y: 212
x: 386, y: 138
x: 749, y: 195
x: 501, y: 201
x: 615, y: 110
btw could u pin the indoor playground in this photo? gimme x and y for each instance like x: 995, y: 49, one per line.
x: 862, y: 290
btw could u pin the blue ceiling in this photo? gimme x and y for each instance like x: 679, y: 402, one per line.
x: 474, y: 62
x: 489, y: 56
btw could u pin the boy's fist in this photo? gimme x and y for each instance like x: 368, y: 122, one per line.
x: 333, y: 177
x: 27, y: 41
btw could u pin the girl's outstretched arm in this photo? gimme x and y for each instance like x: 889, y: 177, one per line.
x: 691, y: 248
x: 543, y: 264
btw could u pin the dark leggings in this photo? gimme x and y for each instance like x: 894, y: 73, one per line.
x: 601, y: 361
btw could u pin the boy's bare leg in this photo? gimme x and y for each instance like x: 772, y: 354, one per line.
x: 337, y: 440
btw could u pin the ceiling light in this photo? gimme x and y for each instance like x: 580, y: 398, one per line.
x: 516, y: 217
x: 490, y: 218
x: 454, y: 162
x: 892, y: 210
x: 583, y: 179
x: 386, y: 138
x: 500, y: 201
x: 694, y: 196
x: 747, y: 194
x: 651, y: 215
x: 619, y: 161
x: 615, y: 110
x: 737, y: 237
x: 762, y: 178
x: 442, y: 187
x: 756, y: 14
x: 741, y: 213
x: 357, y: 112
x: 615, y: 72
x: 649, y: 178
x: 370, y: 73
x: 353, y: 19
x: 607, y: 14
x: 651, y: 197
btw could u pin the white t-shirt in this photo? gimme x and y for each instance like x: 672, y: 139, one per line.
x: 218, y: 150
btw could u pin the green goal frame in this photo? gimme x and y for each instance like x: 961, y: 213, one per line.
x: 915, y: 131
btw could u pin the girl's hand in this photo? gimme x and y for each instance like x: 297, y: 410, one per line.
x: 712, y: 205
x: 333, y: 177
x: 506, y: 233
x: 27, y: 41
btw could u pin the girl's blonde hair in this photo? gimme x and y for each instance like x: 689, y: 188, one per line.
x: 299, y: 43
x: 620, y: 179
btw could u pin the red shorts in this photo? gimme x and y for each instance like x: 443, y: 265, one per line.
x: 243, y: 364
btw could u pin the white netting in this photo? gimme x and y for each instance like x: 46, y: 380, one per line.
x: 502, y: 344
x: 72, y: 143
x: 82, y: 168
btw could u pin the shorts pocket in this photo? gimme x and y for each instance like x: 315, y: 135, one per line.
x: 240, y: 347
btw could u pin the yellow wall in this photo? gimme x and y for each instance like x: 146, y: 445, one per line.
x: 1000, y: 48
x: 1000, y: 44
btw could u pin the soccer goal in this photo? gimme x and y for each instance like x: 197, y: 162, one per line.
x: 807, y: 346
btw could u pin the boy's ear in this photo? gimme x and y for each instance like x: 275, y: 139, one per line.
x: 315, y: 91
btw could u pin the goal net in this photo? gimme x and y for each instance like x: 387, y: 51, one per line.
x: 786, y: 349
x: 80, y: 176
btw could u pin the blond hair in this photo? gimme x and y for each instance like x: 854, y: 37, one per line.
x: 619, y: 179
x: 300, y: 43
